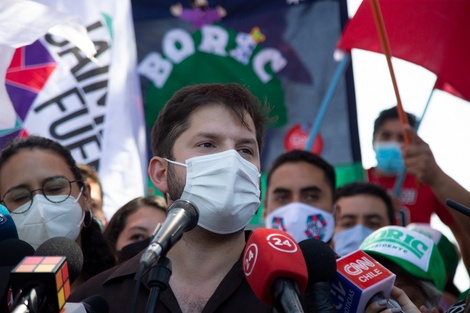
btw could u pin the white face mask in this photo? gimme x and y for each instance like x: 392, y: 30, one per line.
x: 46, y: 220
x: 224, y: 187
x: 302, y: 221
x: 349, y: 240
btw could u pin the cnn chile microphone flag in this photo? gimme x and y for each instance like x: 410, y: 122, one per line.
x: 358, y: 279
x: 269, y: 255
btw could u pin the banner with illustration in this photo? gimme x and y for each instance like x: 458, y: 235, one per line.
x: 92, y: 106
x: 282, y: 51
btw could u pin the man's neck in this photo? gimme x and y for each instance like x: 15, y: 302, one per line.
x: 200, y: 262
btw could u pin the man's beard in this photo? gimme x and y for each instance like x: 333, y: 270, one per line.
x: 175, y: 183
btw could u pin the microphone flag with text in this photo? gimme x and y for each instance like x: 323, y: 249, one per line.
x: 182, y: 215
x: 41, y: 283
x: 275, y: 268
x: 358, y: 279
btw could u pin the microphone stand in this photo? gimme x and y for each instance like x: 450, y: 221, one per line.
x: 158, y: 280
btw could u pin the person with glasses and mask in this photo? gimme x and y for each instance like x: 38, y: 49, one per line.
x: 44, y: 191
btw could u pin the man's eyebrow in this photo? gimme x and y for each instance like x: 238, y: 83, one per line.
x: 213, y: 135
x: 372, y: 215
x: 281, y: 190
x: 311, y: 188
x: 345, y: 216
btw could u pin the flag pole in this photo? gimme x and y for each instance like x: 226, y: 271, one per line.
x: 388, y: 55
x: 338, y: 74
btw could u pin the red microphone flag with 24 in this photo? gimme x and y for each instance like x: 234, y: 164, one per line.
x: 271, y: 254
x: 429, y: 33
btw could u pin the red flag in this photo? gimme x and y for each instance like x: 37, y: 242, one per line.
x: 429, y: 33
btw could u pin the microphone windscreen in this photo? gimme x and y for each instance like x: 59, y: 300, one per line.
x: 271, y: 254
x: 63, y: 246
x: 7, y: 226
x: 12, y: 251
x: 320, y: 260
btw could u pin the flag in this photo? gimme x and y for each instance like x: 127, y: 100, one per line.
x: 429, y: 33
x: 91, y: 105
x: 282, y: 51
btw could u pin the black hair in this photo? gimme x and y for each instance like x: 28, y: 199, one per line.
x: 392, y: 114
x: 297, y: 156
x: 367, y: 188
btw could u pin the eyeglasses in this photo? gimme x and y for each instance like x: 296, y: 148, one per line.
x: 55, y: 189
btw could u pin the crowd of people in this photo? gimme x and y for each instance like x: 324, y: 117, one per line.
x: 206, y: 147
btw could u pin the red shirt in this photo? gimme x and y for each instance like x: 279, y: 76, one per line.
x: 417, y: 202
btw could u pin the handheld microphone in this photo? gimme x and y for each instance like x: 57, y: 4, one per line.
x: 92, y: 304
x: 275, y: 268
x: 321, y: 267
x: 7, y: 226
x: 360, y: 280
x: 182, y: 216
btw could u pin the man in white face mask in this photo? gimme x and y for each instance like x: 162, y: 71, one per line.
x: 361, y: 208
x: 206, y: 144
x: 299, y: 196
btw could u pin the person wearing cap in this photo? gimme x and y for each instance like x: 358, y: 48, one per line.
x: 420, y: 162
x: 450, y: 256
x: 415, y: 260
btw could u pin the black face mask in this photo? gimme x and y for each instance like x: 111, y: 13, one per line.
x: 132, y: 250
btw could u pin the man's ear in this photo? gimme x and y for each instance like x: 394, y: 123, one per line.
x: 158, y: 170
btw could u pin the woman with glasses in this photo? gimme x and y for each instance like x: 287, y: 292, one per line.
x: 43, y: 189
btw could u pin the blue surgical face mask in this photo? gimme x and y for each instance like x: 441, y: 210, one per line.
x: 388, y: 156
x: 349, y: 240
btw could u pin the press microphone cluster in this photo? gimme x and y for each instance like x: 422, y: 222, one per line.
x: 359, y: 281
x: 182, y: 216
x: 275, y: 268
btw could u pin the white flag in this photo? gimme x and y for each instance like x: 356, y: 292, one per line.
x: 92, y: 105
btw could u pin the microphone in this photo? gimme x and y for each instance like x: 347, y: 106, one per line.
x: 63, y: 246
x: 42, y: 282
x: 7, y: 226
x: 360, y: 280
x: 275, y: 268
x: 92, y: 304
x: 321, y: 267
x: 182, y: 216
x: 12, y: 251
